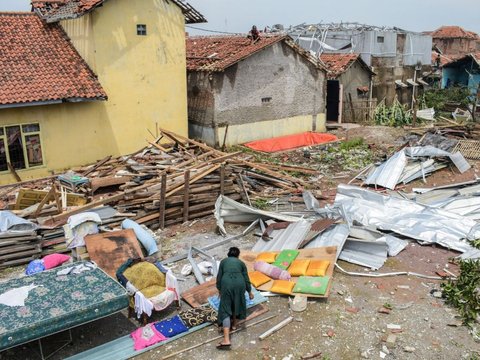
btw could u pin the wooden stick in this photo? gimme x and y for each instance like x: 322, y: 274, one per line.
x: 242, y: 185
x: 216, y: 338
x: 163, y: 193
x: 43, y: 202
x: 14, y: 173
x: 97, y: 165
x: 222, y: 179
x: 276, y: 328
x: 186, y: 195
x: 312, y: 356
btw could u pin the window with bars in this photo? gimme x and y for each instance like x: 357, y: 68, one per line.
x: 20, y: 145
x: 141, y: 29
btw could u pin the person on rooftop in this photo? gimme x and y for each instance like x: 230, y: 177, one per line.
x: 232, y: 283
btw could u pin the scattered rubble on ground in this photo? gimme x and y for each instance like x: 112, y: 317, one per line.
x: 397, y: 238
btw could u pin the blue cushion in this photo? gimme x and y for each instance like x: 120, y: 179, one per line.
x: 34, y: 267
x: 171, y: 327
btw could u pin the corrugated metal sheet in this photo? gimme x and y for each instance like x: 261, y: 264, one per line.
x: 335, y: 236
x: 289, y: 238
x: 388, y: 173
x: 406, y: 218
x: 231, y: 211
x: 372, y: 254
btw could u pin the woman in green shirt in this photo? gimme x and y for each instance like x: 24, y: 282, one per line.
x: 232, y: 282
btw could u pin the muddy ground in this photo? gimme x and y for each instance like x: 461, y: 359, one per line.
x: 352, y: 324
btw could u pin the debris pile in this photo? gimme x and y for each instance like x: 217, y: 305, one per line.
x: 160, y: 185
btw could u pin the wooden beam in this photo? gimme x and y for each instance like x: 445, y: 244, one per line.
x: 14, y: 173
x: 276, y: 328
x: 186, y: 195
x: 222, y: 179
x: 97, y: 165
x: 163, y: 193
x: 43, y: 202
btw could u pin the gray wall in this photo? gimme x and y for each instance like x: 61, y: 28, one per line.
x: 353, y: 78
x: 295, y: 86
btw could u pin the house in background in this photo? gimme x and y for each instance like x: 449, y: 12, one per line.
x: 349, y: 87
x: 454, y: 41
x: 464, y: 72
x: 80, y: 80
x: 241, y: 90
x: 398, y: 57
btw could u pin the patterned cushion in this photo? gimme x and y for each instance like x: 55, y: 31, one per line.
x: 198, y: 316
x: 171, y: 327
x: 285, y: 258
x: 147, y: 278
x: 298, y: 267
x: 282, y: 287
x: 311, y: 285
x: 317, y: 267
x: 257, y: 278
x: 271, y: 271
x: 268, y: 257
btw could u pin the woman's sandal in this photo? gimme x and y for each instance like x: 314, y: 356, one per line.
x: 221, y: 346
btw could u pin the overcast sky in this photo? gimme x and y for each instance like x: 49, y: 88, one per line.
x: 240, y: 15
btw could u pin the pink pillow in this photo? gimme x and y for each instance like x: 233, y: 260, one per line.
x: 271, y: 271
x: 54, y: 260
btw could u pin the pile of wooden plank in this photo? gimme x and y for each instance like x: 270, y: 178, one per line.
x: 16, y: 249
x: 172, y: 180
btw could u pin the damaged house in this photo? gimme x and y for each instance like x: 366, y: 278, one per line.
x: 464, y: 72
x: 241, y: 90
x: 398, y: 57
x: 349, y: 87
x: 452, y: 41
x: 82, y: 80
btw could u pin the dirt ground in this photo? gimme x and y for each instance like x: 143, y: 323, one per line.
x: 353, y: 323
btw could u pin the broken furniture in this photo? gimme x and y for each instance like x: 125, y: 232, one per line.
x: 58, y: 303
x: 157, y: 284
x: 111, y: 249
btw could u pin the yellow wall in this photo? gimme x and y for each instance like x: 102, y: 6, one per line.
x: 143, y: 76
x: 240, y: 134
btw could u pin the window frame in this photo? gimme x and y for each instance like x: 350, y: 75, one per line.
x: 140, y: 31
x: 24, y: 145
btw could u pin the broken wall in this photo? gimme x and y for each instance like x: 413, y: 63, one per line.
x: 276, y: 90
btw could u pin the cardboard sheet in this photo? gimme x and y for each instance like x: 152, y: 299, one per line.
x: 323, y: 253
x: 110, y: 250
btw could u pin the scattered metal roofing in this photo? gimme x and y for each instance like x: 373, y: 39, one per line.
x: 335, y: 236
x: 372, y: 254
x: 407, y: 218
x: 289, y: 238
x: 228, y: 210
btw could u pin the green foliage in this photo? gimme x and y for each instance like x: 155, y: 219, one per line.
x: 396, y: 115
x: 464, y: 292
x: 353, y: 143
x: 261, y: 204
x: 438, y: 98
x: 349, y: 155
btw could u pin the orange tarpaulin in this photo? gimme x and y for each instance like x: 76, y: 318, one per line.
x: 291, y: 141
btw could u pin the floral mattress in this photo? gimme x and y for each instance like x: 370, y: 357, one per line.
x: 46, y: 303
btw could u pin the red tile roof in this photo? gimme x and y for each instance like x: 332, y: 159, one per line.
x: 56, y: 10
x: 453, y: 32
x: 38, y: 63
x: 474, y: 56
x: 216, y: 53
x: 338, y: 63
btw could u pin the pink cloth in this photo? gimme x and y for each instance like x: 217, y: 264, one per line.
x: 146, y: 336
x: 54, y: 260
x: 271, y: 271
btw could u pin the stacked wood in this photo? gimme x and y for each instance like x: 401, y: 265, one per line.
x: 172, y: 180
x: 17, y: 249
